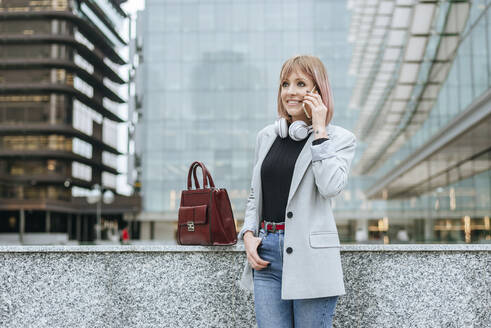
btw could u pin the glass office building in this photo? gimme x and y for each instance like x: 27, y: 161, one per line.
x: 207, y: 82
x: 423, y: 92
x: 209, y: 78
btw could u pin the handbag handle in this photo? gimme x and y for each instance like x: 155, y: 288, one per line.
x: 206, y: 176
x: 192, y: 169
x: 196, y: 183
x: 203, y: 171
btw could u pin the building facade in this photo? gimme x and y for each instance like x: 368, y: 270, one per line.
x: 423, y: 93
x: 207, y: 82
x: 60, y: 99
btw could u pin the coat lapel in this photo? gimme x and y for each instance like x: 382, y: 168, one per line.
x: 302, y: 163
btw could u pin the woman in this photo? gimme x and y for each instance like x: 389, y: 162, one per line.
x: 290, y: 236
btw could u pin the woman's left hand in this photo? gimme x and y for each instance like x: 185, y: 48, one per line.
x: 318, y: 109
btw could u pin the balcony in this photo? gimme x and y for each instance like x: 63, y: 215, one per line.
x: 92, y: 102
x: 56, y: 154
x: 84, y: 25
x: 46, y: 129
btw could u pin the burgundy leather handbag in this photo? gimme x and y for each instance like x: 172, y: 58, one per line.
x: 205, y: 214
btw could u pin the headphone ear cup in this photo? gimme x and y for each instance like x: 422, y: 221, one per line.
x: 299, y: 130
x: 281, y: 127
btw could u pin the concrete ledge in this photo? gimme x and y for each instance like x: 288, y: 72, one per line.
x: 186, y: 286
x: 238, y: 248
x: 34, y: 238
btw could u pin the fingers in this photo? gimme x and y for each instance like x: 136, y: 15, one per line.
x: 310, y: 103
x: 314, y: 98
x: 314, y: 103
x: 318, y: 109
x: 255, y: 261
x: 259, y: 261
x: 315, y: 95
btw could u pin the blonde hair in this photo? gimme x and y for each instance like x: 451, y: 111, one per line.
x: 315, y: 70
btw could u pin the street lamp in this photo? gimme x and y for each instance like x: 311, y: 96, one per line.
x: 97, y: 196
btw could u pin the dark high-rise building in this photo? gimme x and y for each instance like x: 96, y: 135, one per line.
x: 60, y: 97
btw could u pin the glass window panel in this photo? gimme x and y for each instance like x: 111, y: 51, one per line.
x: 172, y: 76
x: 208, y: 19
x: 272, y: 17
x: 488, y: 46
x: 207, y: 43
x: 290, y: 16
x: 240, y: 17
x: 172, y: 48
x: 479, y: 58
x: 155, y: 18
x: 173, y: 107
x: 256, y: 17
x: 172, y: 17
x: 272, y: 50
x: 453, y: 92
x: 188, y: 17
x: 465, y: 74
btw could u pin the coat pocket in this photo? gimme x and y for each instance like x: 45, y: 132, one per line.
x: 324, y: 239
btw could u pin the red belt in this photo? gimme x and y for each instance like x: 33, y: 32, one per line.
x: 272, y: 226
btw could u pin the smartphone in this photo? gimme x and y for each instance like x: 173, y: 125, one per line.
x: 309, y: 116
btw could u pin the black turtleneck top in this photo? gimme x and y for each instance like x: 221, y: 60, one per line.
x: 276, y: 176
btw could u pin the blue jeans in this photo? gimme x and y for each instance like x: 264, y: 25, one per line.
x: 271, y: 310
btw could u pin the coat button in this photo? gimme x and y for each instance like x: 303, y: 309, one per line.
x: 289, y: 215
x: 289, y: 250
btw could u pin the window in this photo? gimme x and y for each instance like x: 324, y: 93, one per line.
x: 51, y: 142
x: 33, y: 51
x: 21, y: 76
x: 26, y: 27
x: 21, y: 109
x: 35, y: 5
x: 36, y: 167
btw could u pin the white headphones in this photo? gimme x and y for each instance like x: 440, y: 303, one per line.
x: 298, y: 130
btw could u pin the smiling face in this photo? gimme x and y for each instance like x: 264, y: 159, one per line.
x: 293, y: 89
x: 298, y: 75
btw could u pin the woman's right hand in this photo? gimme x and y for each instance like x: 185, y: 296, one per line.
x: 251, y: 244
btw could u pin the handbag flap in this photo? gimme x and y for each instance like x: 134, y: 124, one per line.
x: 196, y: 214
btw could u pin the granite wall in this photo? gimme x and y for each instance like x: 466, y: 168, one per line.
x: 177, y: 286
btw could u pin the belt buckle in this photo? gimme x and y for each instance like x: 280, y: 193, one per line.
x: 274, y: 227
x: 266, y: 224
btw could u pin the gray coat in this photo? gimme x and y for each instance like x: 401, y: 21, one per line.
x: 313, y: 269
